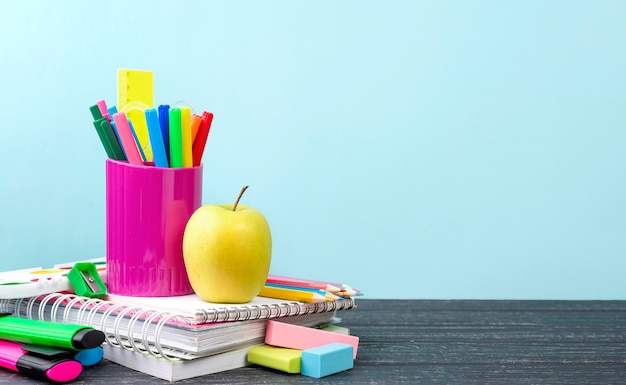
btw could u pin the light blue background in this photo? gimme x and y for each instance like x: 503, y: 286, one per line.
x: 414, y: 149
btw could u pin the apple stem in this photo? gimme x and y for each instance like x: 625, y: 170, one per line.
x: 243, y: 190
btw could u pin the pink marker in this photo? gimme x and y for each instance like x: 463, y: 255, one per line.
x: 102, y: 106
x: 127, y: 138
x: 55, y: 368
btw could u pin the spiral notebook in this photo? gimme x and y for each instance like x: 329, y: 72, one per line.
x: 181, y: 369
x: 184, y: 327
x: 198, y: 311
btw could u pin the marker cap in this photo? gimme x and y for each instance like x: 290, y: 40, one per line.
x: 58, y: 370
x: 90, y: 357
x: 65, y: 371
x: 87, y: 338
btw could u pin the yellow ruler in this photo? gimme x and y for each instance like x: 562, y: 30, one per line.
x: 134, y: 96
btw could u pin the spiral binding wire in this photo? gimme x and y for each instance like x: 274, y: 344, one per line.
x: 58, y: 307
x: 5, y: 306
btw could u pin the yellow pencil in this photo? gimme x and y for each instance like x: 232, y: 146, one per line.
x: 330, y: 296
x: 292, y: 295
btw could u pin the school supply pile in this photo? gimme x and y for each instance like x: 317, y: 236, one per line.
x: 180, y: 337
x: 139, y: 298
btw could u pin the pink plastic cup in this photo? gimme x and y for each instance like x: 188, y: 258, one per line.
x: 147, y: 209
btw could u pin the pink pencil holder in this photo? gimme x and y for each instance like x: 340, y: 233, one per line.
x: 147, y: 209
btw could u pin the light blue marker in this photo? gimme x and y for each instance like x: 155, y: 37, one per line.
x: 90, y: 357
x: 141, y: 153
x: 113, y: 110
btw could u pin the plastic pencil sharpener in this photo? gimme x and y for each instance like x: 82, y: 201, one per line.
x: 86, y: 281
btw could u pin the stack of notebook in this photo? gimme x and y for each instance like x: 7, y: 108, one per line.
x: 175, y: 338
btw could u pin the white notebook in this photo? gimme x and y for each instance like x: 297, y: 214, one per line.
x: 175, y: 327
x: 181, y: 369
x: 184, y: 369
x: 199, y: 311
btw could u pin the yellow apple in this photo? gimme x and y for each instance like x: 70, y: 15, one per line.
x: 227, y: 250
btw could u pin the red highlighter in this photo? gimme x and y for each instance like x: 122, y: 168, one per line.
x: 57, y: 367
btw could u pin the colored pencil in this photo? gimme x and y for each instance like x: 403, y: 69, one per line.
x: 302, y: 283
x: 292, y: 295
x: 325, y: 293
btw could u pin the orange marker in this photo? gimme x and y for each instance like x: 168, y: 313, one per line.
x: 185, y: 122
x: 195, y: 125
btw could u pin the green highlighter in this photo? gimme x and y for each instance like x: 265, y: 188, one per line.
x: 46, y: 333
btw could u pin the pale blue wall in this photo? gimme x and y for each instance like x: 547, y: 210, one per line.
x: 415, y: 149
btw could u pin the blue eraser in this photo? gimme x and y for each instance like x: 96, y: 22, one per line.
x: 90, y: 357
x: 326, y: 360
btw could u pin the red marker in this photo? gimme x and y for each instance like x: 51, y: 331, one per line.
x: 201, y: 136
x: 56, y: 367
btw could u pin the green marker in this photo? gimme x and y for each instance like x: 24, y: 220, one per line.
x: 111, y: 139
x: 106, y: 134
x: 176, y: 138
x: 46, y: 333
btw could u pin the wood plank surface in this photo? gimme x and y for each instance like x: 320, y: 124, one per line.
x: 450, y: 342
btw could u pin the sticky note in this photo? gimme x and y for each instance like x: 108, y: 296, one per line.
x: 326, y: 360
x: 299, y: 337
x: 283, y: 359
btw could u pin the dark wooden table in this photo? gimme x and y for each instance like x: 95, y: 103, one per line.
x: 450, y: 342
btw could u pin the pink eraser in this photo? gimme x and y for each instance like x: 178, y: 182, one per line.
x: 300, y: 337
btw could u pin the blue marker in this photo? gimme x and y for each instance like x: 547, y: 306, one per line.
x: 156, y: 138
x: 112, y: 110
x: 90, y: 357
x: 164, y: 122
